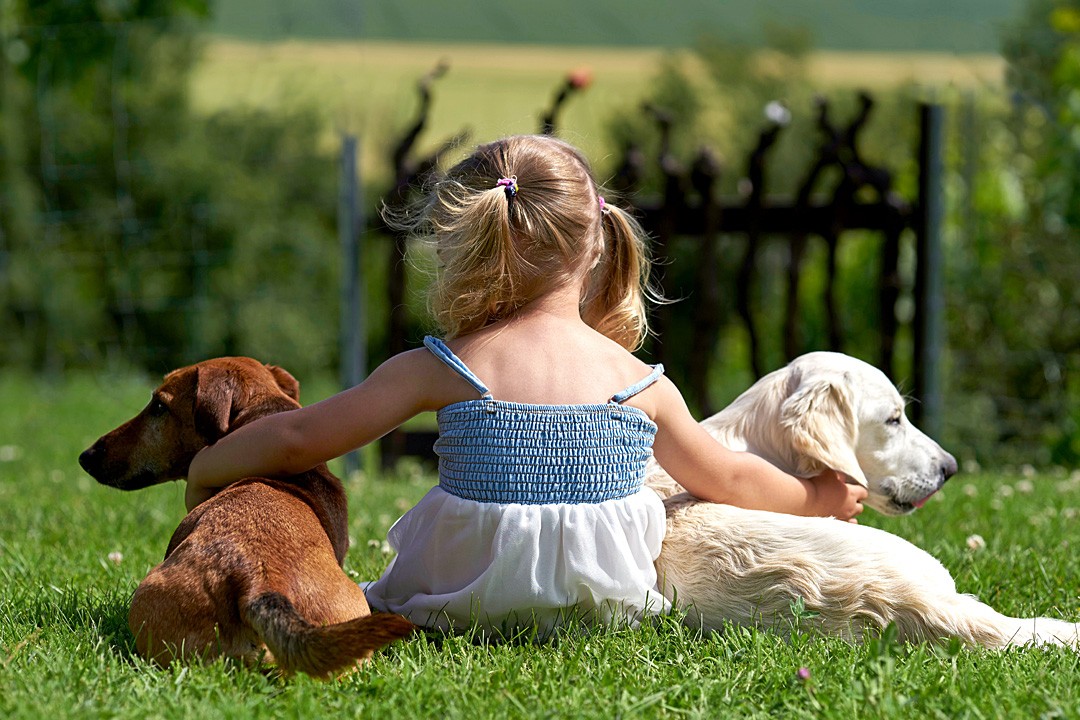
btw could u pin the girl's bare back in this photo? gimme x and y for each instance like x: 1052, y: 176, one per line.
x: 544, y: 359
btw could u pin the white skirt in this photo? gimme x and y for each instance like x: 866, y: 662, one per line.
x: 464, y: 564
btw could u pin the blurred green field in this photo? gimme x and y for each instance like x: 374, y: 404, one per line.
x: 71, y: 552
x: 369, y: 87
x: 957, y: 26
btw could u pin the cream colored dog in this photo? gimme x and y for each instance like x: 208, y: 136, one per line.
x: 728, y: 565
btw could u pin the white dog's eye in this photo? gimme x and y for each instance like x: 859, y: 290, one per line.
x: 894, y: 420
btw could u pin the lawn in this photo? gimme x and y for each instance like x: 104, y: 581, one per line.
x: 71, y: 552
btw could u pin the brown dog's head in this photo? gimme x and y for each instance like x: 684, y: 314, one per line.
x: 194, y: 407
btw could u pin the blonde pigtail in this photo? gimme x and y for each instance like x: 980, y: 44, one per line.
x: 475, y: 242
x: 615, y: 303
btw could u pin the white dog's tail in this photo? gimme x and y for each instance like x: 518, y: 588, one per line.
x: 975, y: 623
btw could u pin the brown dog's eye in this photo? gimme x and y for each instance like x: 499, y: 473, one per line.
x: 157, y: 407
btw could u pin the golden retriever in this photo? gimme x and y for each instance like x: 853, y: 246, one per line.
x: 728, y: 565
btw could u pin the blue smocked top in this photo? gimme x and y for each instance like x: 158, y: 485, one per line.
x: 505, y: 452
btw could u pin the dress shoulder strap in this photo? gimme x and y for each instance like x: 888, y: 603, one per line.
x: 621, y: 397
x: 439, y: 349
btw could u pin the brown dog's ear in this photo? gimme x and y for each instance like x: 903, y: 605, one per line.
x: 213, y: 402
x: 285, y: 381
x: 820, y: 416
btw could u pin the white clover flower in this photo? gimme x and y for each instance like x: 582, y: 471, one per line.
x: 116, y: 557
x: 1073, y: 483
x: 1025, y: 486
x: 975, y: 542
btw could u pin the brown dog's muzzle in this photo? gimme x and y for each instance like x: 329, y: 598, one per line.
x: 94, y: 460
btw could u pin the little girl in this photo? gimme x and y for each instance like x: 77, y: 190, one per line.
x: 546, y: 420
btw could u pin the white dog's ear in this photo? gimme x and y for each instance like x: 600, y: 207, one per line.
x: 820, y: 416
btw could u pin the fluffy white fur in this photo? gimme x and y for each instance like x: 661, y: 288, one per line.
x: 829, y: 410
x: 728, y: 565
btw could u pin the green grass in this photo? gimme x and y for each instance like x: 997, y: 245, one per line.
x: 65, y: 650
x: 956, y: 26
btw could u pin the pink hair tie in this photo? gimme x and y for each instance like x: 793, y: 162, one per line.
x: 603, y: 205
x: 510, y: 185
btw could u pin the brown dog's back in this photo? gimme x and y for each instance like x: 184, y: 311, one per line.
x: 253, y: 568
x: 256, y: 569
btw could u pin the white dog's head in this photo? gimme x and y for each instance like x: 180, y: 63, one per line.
x: 829, y: 410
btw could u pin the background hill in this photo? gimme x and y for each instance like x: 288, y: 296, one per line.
x: 962, y: 26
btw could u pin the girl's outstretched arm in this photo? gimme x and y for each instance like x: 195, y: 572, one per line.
x: 297, y: 440
x: 708, y: 470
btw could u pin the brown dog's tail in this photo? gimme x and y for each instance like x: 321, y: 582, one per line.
x: 319, y: 651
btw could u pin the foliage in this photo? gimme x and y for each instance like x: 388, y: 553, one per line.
x: 72, y: 551
x: 133, y: 230
x: 1016, y: 325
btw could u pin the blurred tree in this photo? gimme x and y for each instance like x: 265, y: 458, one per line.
x: 1016, y: 320
x: 89, y: 84
x: 16, y: 188
x: 133, y: 229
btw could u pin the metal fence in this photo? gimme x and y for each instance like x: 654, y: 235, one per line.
x: 690, y: 207
x: 137, y: 277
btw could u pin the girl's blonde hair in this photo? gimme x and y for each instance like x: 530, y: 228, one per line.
x: 500, y: 249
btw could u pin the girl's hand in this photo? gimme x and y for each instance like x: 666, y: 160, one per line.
x: 837, y: 497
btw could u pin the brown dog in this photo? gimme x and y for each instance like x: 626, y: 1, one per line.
x: 257, y: 568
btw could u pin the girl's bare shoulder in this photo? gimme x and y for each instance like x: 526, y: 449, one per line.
x: 430, y: 377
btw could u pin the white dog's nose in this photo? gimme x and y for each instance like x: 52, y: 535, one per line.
x: 948, y: 467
